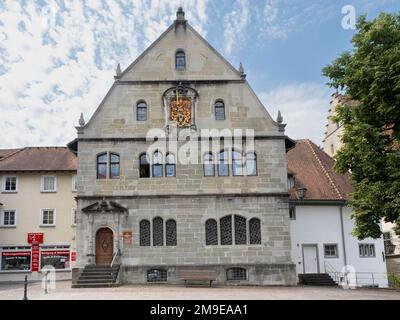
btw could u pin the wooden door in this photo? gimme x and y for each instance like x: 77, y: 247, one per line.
x: 104, y: 246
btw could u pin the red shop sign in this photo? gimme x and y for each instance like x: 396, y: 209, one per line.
x: 55, y: 253
x: 35, y: 238
x: 16, y: 254
x: 35, y: 257
x: 73, y: 256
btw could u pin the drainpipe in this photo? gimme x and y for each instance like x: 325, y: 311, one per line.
x: 343, y: 238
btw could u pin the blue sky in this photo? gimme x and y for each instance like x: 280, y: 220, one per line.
x: 58, y: 58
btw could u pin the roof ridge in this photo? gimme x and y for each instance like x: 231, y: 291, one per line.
x: 12, y: 153
x: 309, y: 143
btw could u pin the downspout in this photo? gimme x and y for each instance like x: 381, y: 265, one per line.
x: 343, y: 238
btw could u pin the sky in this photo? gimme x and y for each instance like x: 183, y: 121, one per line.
x: 58, y: 58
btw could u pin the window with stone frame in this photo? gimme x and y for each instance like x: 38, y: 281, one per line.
x: 237, y: 163
x: 211, y: 232
x: 157, y: 275
x: 114, y: 166
x: 240, y: 230
x: 219, y: 110
x: 208, y: 165
x: 144, y: 166
x: 255, y: 231
x: 144, y: 229
x: 141, y: 111
x: 180, y: 60
x: 223, y: 163
x: 102, y: 166
x: 170, y: 168
x: 236, y: 274
x: 171, y: 238
x: 158, y: 232
x: 226, y: 230
x: 157, y: 164
x: 251, y: 164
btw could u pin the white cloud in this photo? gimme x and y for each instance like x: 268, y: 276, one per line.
x: 235, y: 23
x: 58, y: 60
x: 304, y: 107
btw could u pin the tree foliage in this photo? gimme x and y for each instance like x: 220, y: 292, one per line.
x: 370, y: 74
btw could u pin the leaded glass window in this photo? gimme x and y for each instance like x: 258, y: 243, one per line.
x: 251, y: 164
x: 144, y: 233
x: 157, y: 164
x: 141, y: 111
x: 240, y: 230
x: 211, y: 232
x: 180, y: 60
x: 170, y: 165
x: 156, y: 275
x: 144, y: 166
x: 171, y: 233
x: 102, y: 166
x: 114, y: 166
x: 223, y: 167
x: 219, y: 110
x: 226, y: 230
x: 158, y: 232
x: 255, y: 231
x: 208, y: 165
x: 237, y: 163
x: 236, y: 274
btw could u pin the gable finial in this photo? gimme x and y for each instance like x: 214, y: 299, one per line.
x: 241, y: 71
x: 180, y: 18
x: 279, y: 119
x: 81, y: 120
x: 118, y: 72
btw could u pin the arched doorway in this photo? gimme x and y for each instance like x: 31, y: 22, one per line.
x: 104, y: 246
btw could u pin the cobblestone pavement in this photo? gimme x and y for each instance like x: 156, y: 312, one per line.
x: 63, y: 291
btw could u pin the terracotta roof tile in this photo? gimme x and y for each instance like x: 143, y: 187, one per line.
x: 39, y: 159
x: 313, y: 169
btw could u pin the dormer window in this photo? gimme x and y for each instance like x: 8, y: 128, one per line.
x: 180, y: 60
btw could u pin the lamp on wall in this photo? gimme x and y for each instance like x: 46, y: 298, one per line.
x: 301, y: 192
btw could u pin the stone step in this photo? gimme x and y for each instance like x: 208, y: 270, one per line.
x: 95, y: 285
x: 84, y: 281
x: 85, y: 277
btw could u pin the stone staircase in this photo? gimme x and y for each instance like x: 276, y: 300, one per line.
x: 98, y: 277
x: 316, y: 279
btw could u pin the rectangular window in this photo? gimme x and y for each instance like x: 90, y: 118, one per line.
x: 48, y: 184
x: 74, y: 183
x: 48, y: 217
x: 142, y: 113
x: 8, y: 218
x: 157, y: 275
x: 16, y: 260
x: 10, y: 184
x: 366, y: 250
x: 219, y: 112
x: 331, y: 251
x: 57, y: 257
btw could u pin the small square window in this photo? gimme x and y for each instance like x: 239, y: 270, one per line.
x: 48, y: 217
x: 366, y: 250
x: 8, y: 218
x: 10, y: 184
x: 331, y: 251
x: 48, y: 184
x: 157, y: 275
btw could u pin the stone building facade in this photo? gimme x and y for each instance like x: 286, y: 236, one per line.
x: 140, y: 201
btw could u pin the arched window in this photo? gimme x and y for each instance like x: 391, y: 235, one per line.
x: 144, y: 228
x: 236, y: 274
x: 211, y: 232
x: 208, y: 165
x: 237, y: 163
x: 114, y: 166
x: 157, y: 164
x: 223, y: 167
x: 255, y: 231
x: 240, y: 230
x: 170, y: 227
x: 219, y: 110
x: 170, y: 165
x: 180, y: 60
x: 225, y: 225
x: 144, y: 166
x: 251, y: 164
x: 141, y: 111
x: 158, y: 232
x: 102, y: 166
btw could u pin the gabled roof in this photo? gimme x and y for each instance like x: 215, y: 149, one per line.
x: 38, y: 159
x: 313, y: 169
x: 4, y: 153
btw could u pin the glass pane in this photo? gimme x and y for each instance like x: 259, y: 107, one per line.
x: 144, y: 159
x: 219, y: 112
x: 226, y: 230
x: 156, y: 275
x: 251, y: 166
x: 158, y: 232
x: 223, y: 170
x: 237, y: 167
x: 255, y: 231
x: 180, y: 60
x: 142, y: 112
x: 209, y: 170
x: 144, y: 171
x: 102, y: 158
x: 18, y: 260
x: 101, y: 171
x: 211, y: 232
x: 114, y: 171
x: 114, y: 158
x: 170, y: 159
x: 170, y: 170
x: 157, y: 170
x: 11, y: 184
x: 240, y: 230
x: 171, y: 233
x: 48, y: 183
x: 144, y: 233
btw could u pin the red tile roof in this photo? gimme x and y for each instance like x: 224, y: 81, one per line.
x: 38, y: 159
x: 313, y: 169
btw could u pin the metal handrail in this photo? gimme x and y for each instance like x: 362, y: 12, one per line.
x: 331, y: 271
x: 117, y: 253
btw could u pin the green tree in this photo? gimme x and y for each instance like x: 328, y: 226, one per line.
x: 370, y: 74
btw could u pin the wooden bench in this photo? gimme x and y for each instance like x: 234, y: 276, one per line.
x: 198, y: 275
